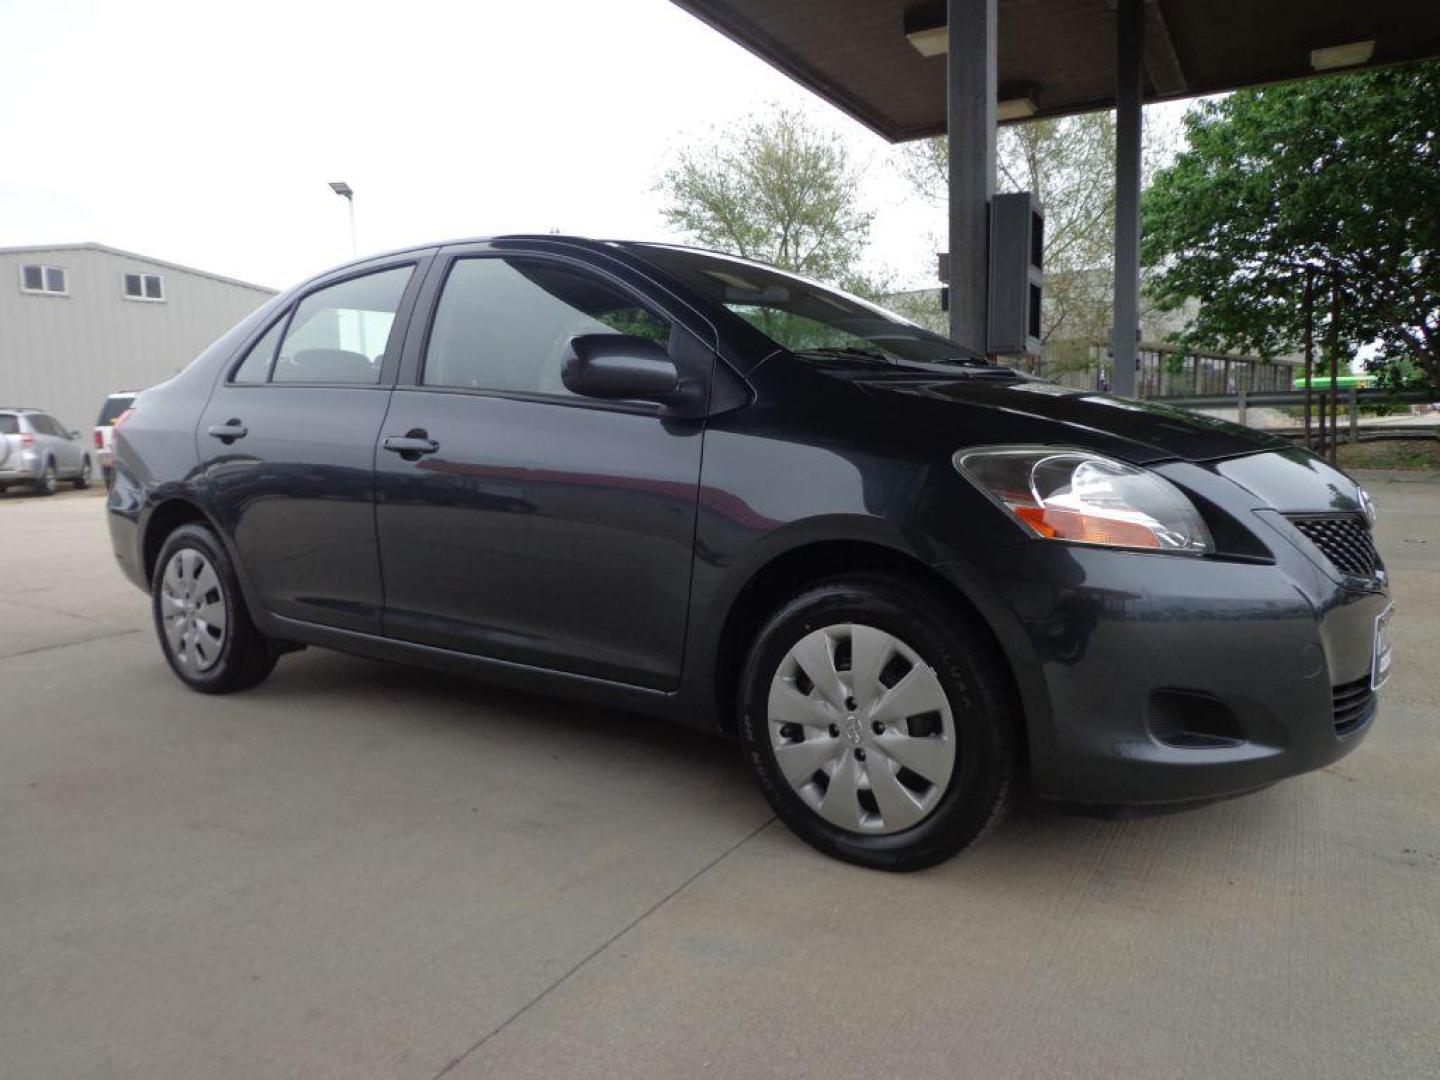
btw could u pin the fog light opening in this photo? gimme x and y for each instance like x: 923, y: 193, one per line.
x: 1189, y: 720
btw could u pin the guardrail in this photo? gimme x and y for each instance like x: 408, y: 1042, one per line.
x: 1322, y: 402
x: 1296, y: 397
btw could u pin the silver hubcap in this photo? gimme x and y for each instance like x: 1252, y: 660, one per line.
x: 192, y: 607
x: 862, y: 729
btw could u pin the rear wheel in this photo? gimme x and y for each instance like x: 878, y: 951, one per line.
x: 200, y: 616
x: 878, y: 723
x: 48, y: 482
x: 82, y: 478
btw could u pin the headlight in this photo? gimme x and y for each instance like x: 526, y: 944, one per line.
x: 1085, y: 498
x: 1367, y: 505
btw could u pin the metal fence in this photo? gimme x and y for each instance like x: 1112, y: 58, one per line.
x: 1169, y: 371
x: 1335, y: 418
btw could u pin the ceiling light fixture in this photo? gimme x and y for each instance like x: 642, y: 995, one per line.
x: 1342, y: 56
x: 1015, y: 108
x: 931, y: 41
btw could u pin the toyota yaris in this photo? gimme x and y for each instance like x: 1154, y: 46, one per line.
x: 675, y: 482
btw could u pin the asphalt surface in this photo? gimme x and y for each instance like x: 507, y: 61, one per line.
x: 359, y: 870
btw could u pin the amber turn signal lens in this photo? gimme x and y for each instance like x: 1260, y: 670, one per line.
x: 1056, y: 524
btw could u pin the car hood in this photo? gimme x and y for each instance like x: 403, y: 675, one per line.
x: 994, y: 405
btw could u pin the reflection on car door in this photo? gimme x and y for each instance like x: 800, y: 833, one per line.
x: 531, y: 525
x: 287, y: 443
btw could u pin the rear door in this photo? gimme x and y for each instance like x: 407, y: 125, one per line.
x: 57, y: 442
x: 287, y: 442
x: 542, y: 528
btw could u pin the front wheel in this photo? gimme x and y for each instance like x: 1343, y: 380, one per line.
x: 878, y: 723
x: 200, y: 616
x: 82, y: 478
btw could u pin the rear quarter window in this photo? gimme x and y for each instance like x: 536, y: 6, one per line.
x: 9, y: 424
x: 112, y: 408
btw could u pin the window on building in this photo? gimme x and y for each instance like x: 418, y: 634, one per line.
x: 144, y: 287
x: 506, y: 324
x: 35, y: 278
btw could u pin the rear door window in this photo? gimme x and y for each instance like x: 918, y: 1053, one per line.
x: 340, y: 334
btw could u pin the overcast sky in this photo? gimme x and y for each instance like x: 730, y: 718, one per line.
x: 206, y: 134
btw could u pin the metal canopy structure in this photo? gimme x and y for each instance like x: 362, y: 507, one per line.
x: 1062, y: 53
x: 927, y: 67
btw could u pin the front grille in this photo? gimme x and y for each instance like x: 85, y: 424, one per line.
x: 1345, y: 540
x: 1354, y: 703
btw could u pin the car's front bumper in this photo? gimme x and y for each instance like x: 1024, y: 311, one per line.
x: 1113, y: 634
x: 1103, y: 643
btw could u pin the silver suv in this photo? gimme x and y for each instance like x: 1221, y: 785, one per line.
x: 36, y: 450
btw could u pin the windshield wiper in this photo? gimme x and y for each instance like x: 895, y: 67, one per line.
x: 874, y: 356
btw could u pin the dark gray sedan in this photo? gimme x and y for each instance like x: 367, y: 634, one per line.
x: 905, y: 580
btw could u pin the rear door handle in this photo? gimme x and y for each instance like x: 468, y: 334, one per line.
x: 229, y: 431
x: 411, y: 445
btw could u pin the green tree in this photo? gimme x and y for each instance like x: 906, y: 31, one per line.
x: 775, y: 188
x: 1333, y: 180
x: 1069, y: 164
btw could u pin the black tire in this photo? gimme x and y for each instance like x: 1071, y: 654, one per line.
x: 971, y: 674
x: 48, y: 484
x: 245, y: 655
x: 82, y: 478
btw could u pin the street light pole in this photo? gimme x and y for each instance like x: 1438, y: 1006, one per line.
x: 343, y: 189
x: 348, y: 194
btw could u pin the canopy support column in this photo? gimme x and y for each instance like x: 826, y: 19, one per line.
x: 1129, y: 86
x: 970, y: 110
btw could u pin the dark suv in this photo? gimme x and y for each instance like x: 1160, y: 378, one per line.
x: 674, y: 482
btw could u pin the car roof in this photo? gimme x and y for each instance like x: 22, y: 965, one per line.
x: 588, y: 242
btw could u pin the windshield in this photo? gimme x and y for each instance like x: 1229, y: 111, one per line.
x: 802, y: 316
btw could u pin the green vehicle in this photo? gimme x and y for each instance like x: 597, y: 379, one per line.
x: 1344, y: 382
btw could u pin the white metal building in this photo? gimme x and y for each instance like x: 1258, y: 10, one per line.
x: 80, y: 321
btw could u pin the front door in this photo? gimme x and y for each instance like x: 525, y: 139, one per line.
x: 287, y: 443
x: 518, y: 521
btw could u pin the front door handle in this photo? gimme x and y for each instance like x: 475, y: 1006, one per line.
x: 411, y: 445
x: 229, y: 431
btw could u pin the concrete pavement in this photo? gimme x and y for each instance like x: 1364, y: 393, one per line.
x: 360, y: 870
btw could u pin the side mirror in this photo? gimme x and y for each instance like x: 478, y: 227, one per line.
x: 75, y: 434
x: 619, y: 367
